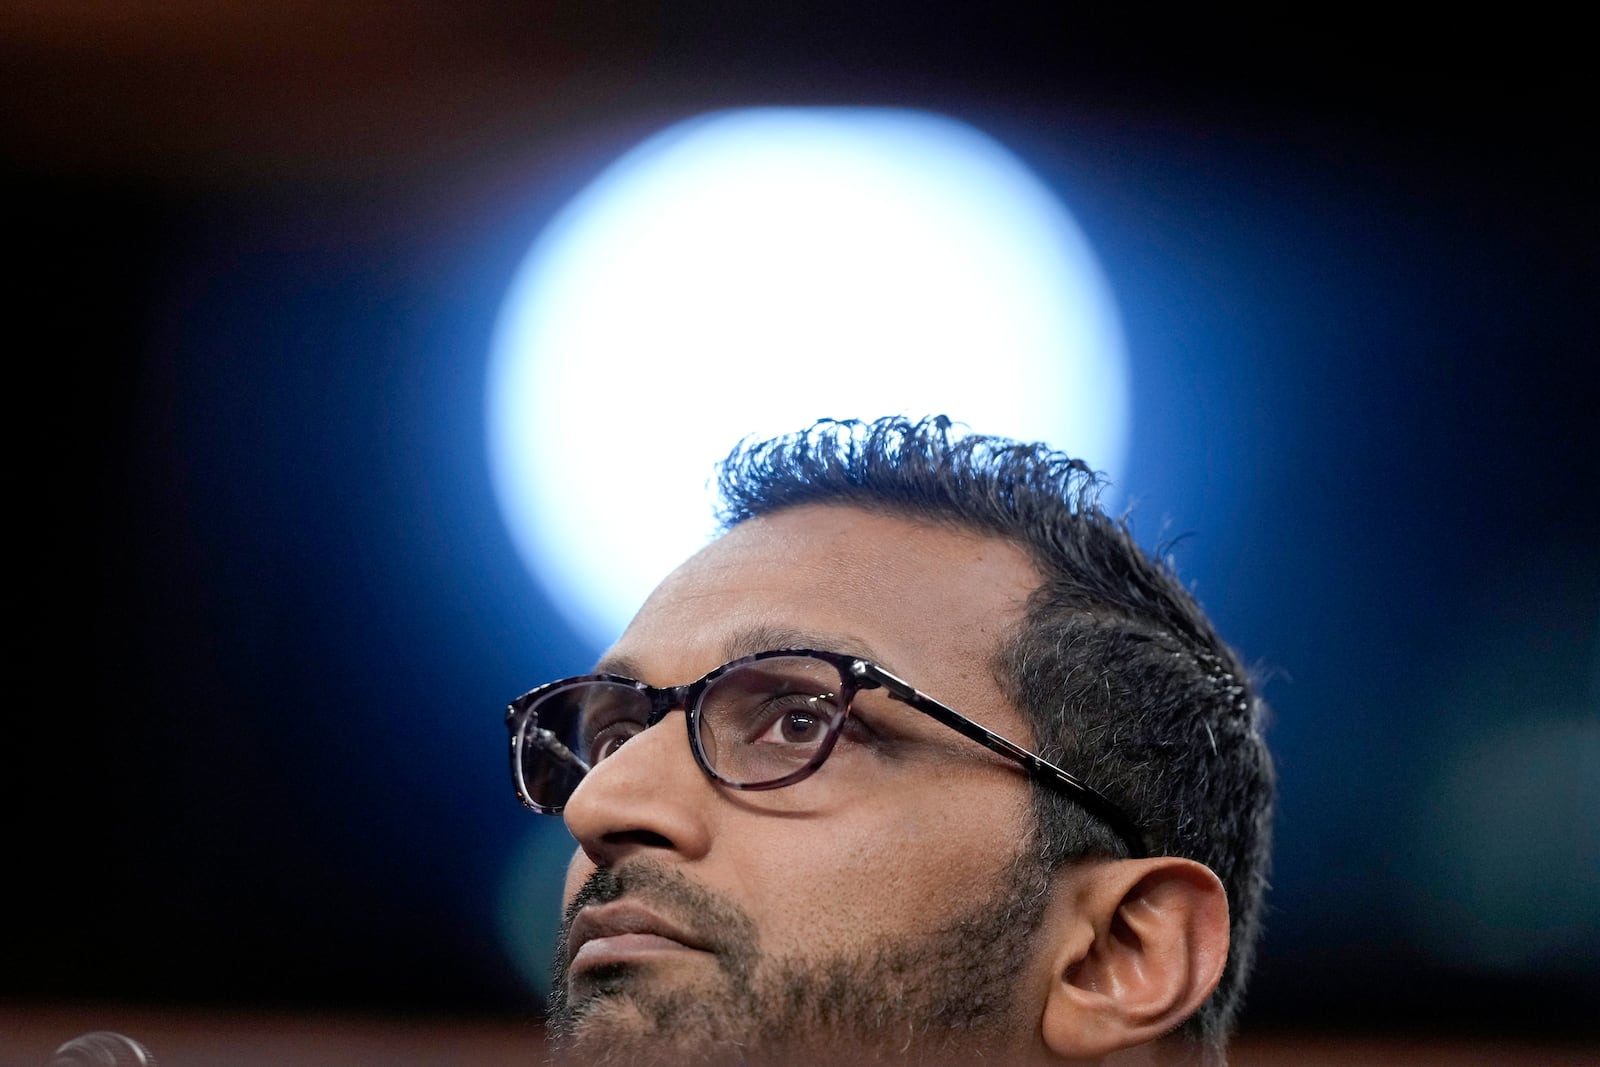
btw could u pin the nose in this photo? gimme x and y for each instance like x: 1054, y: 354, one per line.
x: 649, y: 795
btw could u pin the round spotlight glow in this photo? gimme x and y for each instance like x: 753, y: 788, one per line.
x: 748, y: 272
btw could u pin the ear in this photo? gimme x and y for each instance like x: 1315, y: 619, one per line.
x: 1140, y: 945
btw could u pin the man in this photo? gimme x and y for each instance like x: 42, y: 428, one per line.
x: 922, y: 761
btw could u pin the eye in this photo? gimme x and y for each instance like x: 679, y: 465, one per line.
x: 796, y: 720
x: 609, y: 738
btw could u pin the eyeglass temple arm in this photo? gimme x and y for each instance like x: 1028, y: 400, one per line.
x: 872, y: 676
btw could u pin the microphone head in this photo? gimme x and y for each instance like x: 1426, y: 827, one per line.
x: 102, y: 1049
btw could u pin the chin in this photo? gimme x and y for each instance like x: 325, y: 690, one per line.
x: 616, y: 1025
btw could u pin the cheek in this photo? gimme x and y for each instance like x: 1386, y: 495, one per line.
x: 879, y: 874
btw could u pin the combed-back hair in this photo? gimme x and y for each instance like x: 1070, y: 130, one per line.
x: 1120, y: 676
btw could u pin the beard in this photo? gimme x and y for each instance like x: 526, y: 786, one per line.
x: 925, y: 999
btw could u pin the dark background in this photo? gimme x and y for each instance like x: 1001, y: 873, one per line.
x: 268, y: 617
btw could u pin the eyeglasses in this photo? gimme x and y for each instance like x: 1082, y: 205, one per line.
x: 761, y: 722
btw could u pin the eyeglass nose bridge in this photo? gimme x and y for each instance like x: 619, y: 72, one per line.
x: 664, y: 701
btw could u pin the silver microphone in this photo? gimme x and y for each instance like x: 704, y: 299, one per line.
x: 102, y: 1049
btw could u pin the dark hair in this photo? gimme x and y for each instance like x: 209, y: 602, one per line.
x: 1119, y: 674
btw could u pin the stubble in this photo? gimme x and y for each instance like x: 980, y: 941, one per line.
x: 937, y: 997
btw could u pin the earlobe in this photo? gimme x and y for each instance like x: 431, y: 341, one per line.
x: 1140, y: 945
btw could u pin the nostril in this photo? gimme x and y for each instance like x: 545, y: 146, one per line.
x: 646, y: 838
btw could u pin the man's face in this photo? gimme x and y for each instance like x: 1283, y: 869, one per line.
x: 882, y: 905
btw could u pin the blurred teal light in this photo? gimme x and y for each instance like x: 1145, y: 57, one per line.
x: 747, y: 272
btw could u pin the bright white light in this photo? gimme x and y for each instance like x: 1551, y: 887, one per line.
x: 748, y: 272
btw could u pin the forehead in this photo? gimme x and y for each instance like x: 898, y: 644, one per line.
x: 929, y: 602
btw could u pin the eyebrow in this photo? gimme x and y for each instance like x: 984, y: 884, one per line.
x: 760, y: 637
